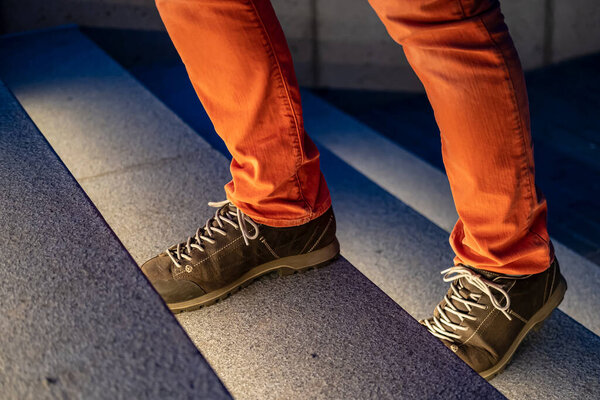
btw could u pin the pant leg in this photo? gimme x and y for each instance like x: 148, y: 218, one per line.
x: 464, y: 56
x: 238, y: 60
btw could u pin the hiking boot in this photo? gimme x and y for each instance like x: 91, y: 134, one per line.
x: 485, y: 316
x: 231, y: 251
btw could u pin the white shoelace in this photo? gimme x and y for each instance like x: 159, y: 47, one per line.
x: 442, y: 327
x: 195, y: 242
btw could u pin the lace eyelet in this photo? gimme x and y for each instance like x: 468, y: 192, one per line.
x: 188, y: 268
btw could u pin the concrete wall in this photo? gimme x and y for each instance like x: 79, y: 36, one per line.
x: 336, y: 43
x: 22, y: 15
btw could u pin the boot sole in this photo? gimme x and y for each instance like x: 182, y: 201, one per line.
x: 534, y: 323
x: 285, y: 266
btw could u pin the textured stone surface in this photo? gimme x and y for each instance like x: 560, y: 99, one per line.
x: 575, y: 28
x: 326, y: 333
x: 78, y: 318
x: 296, y: 19
x: 23, y: 15
x: 526, y: 21
x: 145, y: 205
x: 355, y: 50
x: 559, y: 362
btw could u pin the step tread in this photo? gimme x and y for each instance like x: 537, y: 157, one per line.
x: 66, y: 320
x: 329, y: 331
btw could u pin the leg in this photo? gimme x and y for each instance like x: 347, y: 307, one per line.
x: 239, y: 63
x: 277, y: 216
x: 465, y: 58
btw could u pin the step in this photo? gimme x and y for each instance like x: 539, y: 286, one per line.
x: 326, y: 333
x: 70, y: 289
x: 426, y: 189
x: 402, y: 252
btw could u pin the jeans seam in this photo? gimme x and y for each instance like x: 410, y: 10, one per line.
x: 296, y: 126
x: 538, y: 235
x: 520, y: 125
x: 509, y: 80
x: 528, y: 162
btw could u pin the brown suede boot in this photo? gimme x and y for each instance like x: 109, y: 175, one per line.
x: 484, y: 316
x: 232, y: 250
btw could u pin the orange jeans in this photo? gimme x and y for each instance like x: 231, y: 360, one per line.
x: 238, y: 60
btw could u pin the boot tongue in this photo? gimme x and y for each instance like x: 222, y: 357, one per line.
x: 486, y: 275
x: 465, y: 292
x: 489, y: 276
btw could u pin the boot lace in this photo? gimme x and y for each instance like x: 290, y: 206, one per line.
x: 441, y: 326
x: 205, y: 233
